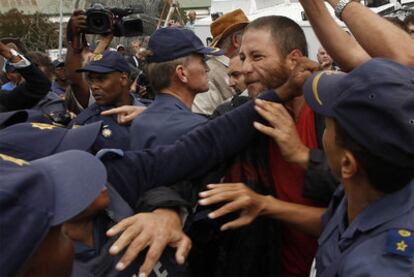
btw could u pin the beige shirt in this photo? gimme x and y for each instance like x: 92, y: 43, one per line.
x: 219, y: 89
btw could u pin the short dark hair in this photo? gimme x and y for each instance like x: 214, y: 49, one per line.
x: 385, y: 176
x: 285, y: 32
x: 160, y: 74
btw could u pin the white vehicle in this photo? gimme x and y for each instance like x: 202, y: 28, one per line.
x: 292, y: 9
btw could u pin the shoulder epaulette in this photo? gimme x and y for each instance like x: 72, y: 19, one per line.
x: 400, y: 242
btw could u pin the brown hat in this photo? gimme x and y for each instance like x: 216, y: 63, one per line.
x: 226, y: 24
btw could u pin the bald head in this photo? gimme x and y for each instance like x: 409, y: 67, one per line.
x: 324, y: 58
x: 192, y: 16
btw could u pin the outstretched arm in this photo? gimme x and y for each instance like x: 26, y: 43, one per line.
x: 190, y: 157
x: 238, y: 196
x: 195, y: 153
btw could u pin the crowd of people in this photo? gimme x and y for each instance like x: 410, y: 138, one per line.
x: 245, y: 157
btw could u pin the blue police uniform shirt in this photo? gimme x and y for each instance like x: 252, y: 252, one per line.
x: 165, y: 120
x: 112, y: 135
x: 58, y: 89
x: 95, y: 261
x: 380, y: 240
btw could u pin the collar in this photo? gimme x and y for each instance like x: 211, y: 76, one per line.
x: 170, y: 100
x: 244, y: 93
x: 382, y: 211
x: 134, y: 102
x: 222, y: 59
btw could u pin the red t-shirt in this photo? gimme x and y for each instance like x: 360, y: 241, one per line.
x: 298, y: 249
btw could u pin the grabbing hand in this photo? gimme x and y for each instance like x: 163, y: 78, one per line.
x: 283, y: 130
x: 236, y: 196
x: 293, y: 86
x: 125, y: 114
x: 155, y: 230
x: 78, y: 22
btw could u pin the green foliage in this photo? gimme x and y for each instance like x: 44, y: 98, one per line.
x: 35, y: 31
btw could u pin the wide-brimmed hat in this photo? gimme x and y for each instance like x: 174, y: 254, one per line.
x: 226, y: 24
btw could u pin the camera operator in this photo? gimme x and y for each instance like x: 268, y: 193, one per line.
x: 80, y: 96
x: 27, y: 94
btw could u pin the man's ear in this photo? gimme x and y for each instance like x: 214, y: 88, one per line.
x: 292, y: 58
x: 124, y: 78
x: 349, y: 165
x: 236, y: 40
x: 181, y: 73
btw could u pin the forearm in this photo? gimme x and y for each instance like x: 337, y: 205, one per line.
x: 343, y: 48
x: 73, y: 62
x: 379, y: 37
x: 103, y: 44
x: 191, y: 156
x: 305, y: 218
x: 28, y: 94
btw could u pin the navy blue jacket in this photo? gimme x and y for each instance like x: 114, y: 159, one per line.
x: 165, y: 121
x: 378, y: 242
x: 113, y: 135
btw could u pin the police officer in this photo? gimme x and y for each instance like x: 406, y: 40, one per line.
x: 60, y: 84
x: 31, y: 141
x: 37, y: 197
x: 368, y: 228
x: 178, y: 71
x: 107, y: 75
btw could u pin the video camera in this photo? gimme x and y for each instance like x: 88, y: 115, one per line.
x: 103, y: 20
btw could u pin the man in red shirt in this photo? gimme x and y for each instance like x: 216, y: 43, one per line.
x: 271, y: 47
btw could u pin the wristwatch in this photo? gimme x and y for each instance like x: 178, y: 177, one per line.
x: 339, y: 8
x: 14, y: 56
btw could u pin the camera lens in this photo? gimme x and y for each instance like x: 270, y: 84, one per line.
x: 99, y: 22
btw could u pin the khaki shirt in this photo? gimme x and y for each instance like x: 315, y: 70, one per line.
x: 219, y: 89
